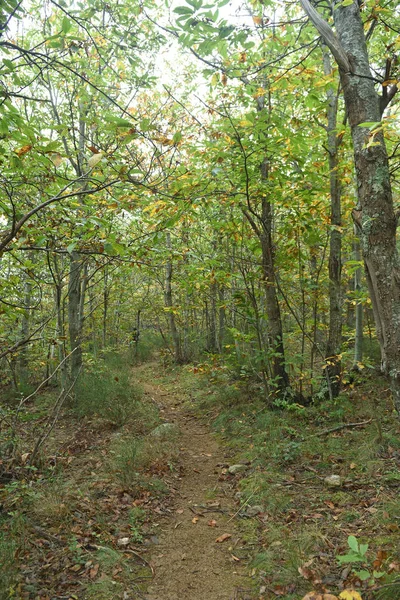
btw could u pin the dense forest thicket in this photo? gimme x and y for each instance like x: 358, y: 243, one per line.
x: 215, y: 181
x: 189, y: 171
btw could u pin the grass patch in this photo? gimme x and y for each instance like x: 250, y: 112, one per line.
x: 107, y: 393
x: 132, y: 457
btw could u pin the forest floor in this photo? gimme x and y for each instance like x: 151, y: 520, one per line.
x: 196, y: 558
x: 149, y: 510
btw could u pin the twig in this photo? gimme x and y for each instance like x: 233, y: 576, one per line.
x: 48, y: 536
x: 24, y: 400
x: 52, y: 420
x: 144, y: 561
x: 339, y: 427
x: 241, y: 506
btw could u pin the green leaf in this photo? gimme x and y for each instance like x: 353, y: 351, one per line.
x: 66, y: 25
x: 9, y: 64
x: 363, y: 575
x: 183, y: 10
x: 353, y: 543
x: 118, y: 121
x: 370, y: 124
x: 363, y: 549
x: 177, y: 137
x: 145, y: 124
x: 348, y: 558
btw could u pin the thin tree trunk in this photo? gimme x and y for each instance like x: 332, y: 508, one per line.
x: 275, y: 330
x: 170, y: 306
x: 333, y: 347
x: 25, y: 327
x: 359, y: 336
x: 74, y: 316
x: 221, y: 318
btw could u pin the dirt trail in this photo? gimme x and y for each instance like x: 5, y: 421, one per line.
x: 188, y: 562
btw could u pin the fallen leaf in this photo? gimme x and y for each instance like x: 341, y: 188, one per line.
x: 75, y: 567
x: 223, y: 537
x: 180, y: 511
x: 194, y: 520
x: 235, y: 557
x: 212, y: 523
x: 317, y: 596
x: 349, y: 595
x: 93, y: 572
x: 381, y: 556
x: 24, y: 457
x: 123, y: 541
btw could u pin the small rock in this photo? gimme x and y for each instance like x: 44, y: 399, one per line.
x: 333, y: 481
x: 233, y: 469
x: 252, y: 511
x: 123, y: 541
x: 165, y: 430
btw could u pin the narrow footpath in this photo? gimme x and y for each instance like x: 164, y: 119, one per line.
x: 196, y: 555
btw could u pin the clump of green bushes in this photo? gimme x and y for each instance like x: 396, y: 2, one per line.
x: 106, y: 390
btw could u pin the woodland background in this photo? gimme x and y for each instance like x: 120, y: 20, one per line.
x: 180, y: 178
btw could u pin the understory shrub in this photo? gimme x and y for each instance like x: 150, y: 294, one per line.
x: 105, y: 390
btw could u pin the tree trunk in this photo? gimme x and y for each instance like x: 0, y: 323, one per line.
x: 74, y: 314
x: 359, y: 337
x: 221, y: 318
x: 170, y: 307
x: 333, y: 347
x: 374, y: 216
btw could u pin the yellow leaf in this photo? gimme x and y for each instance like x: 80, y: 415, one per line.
x: 93, y: 160
x: 23, y: 150
x: 350, y: 595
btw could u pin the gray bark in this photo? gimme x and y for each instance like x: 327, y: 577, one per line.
x: 74, y: 314
x: 359, y: 337
x: 374, y: 216
x: 333, y: 347
x: 168, y: 299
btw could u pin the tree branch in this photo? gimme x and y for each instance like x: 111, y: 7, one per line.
x: 328, y: 36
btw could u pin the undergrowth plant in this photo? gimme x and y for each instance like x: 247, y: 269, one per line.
x: 105, y: 390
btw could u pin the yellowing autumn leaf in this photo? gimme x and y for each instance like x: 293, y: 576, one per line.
x: 318, y: 596
x: 57, y: 159
x: 349, y: 595
x: 93, y: 160
x: 23, y: 150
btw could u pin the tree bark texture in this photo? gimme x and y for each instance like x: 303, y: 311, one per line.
x: 275, y: 330
x: 374, y: 216
x: 333, y: 347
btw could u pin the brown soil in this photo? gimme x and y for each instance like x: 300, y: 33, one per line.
x: 189, y: 564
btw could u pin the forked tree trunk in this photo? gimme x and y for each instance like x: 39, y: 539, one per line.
x: 374, y: 216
